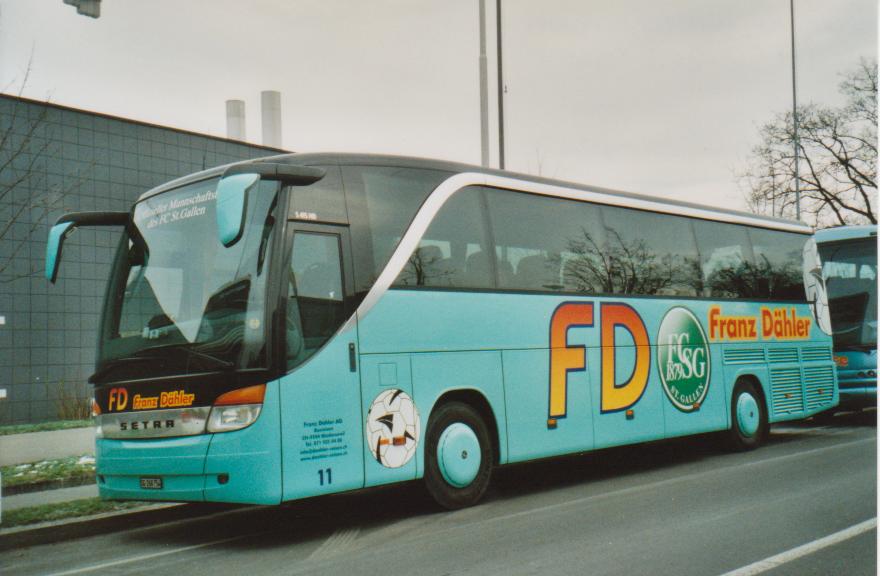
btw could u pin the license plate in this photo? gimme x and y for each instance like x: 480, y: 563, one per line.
x: 151, y: 483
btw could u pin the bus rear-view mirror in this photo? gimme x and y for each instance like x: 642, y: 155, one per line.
x: 66, y: 224
x: 57, y: 234
x: 232, y: 192
x: 239, y: 180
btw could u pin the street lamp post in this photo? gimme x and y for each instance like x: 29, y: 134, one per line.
x: 794, y: 115
x: 500, y: 88
x: 484, y: 90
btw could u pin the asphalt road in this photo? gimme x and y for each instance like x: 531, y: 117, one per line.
x: 804, y: 504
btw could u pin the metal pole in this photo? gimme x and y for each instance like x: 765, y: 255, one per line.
x: 500, y: 88
x: 484, y: 89
x: 794, y: 114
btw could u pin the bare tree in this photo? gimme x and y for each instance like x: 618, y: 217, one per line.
x: 26, y: 199
x: 838, y: 158
x: 426, y: 267
x: 622, y: 266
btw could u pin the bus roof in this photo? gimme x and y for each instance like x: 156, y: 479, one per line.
x: 456, y: 167
x: 841, y: 233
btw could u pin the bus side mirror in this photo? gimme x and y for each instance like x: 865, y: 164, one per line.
x: 239, y: 180
x: 232, y: 194
x: 66, y: 224
x: 57, y: 234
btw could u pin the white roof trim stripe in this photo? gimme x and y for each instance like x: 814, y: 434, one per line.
x: 450, y: 186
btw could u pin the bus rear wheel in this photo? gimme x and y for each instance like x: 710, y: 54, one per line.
x: 458, y: 456
x: 749, y: 427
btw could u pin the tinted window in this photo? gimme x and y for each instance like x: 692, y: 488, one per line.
x: 382, y: 202
x: 779, y: 263
x: 322, y: 201
x: 650, y: 254
x: 454, y: 250
x: 544, y: 243
x: 727, y: 261
x: 315, y: 300
x: 850, y: 270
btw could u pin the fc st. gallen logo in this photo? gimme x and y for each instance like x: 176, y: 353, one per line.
x: 683, y: 359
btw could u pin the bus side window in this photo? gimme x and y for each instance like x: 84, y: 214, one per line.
x: 651, y: 253
x: 545, y: 244
x: 454, y: 249
x: 726, y: 260
x: 779, y: 263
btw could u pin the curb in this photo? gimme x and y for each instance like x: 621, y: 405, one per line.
x: 72, y: 482
x: 83, y: 526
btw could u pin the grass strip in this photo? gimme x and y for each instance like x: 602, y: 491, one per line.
x: 74, y: 469
x: 44, y: 426
x: 63, y: 510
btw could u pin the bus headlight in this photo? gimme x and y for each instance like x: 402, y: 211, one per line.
x: 227, y: 418
x: 237, y: 409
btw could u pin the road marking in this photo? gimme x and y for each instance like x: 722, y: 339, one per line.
x: 339, y: 542
x: 808, y: 548
x: 143, y: 557
x: 346, y: 539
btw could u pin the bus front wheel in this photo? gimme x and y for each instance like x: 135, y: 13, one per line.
x: 458, y: 456
x: 749, y: 427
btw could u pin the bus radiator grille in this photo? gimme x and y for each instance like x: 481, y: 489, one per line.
x: 787, y: 391
x: 819, y: 382
x: 818, y: 354
x: 743, y: 355
x: 782, y: 355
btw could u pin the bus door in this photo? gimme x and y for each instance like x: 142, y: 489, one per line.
x: 322, y: 443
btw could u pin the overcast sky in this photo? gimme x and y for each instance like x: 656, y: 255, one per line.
x: 656, y: 97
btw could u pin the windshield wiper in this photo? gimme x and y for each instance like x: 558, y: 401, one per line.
x: 214, y: 360
x: 857, y: 347
x: 111, y: 365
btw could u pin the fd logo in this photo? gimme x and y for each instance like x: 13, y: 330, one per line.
x: 393, y: 428
x: 683, y: 359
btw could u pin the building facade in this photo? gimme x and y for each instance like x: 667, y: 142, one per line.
x: 53, y: 160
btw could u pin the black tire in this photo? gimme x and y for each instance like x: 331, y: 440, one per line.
x: 738, y: 439
x: 446, y: 494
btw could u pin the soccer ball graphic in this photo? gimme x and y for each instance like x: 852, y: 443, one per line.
x: 814, y: 286
x: 393, y: 428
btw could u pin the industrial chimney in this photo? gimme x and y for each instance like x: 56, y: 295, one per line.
x: 271, y: 109
x: 235, y: 124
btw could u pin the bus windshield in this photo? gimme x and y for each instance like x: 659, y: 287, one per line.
x: 850, y: 270
x: 179, y: 302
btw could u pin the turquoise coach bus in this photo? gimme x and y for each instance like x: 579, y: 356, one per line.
x: 849, y: 266
x: 315, y: 323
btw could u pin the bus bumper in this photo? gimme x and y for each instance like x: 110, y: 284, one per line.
x: 858, y: 394
x: 178, y: 462
x: 243, y: 466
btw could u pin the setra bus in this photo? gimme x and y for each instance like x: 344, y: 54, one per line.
x: 314, y: 323
x: 849, y: 266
